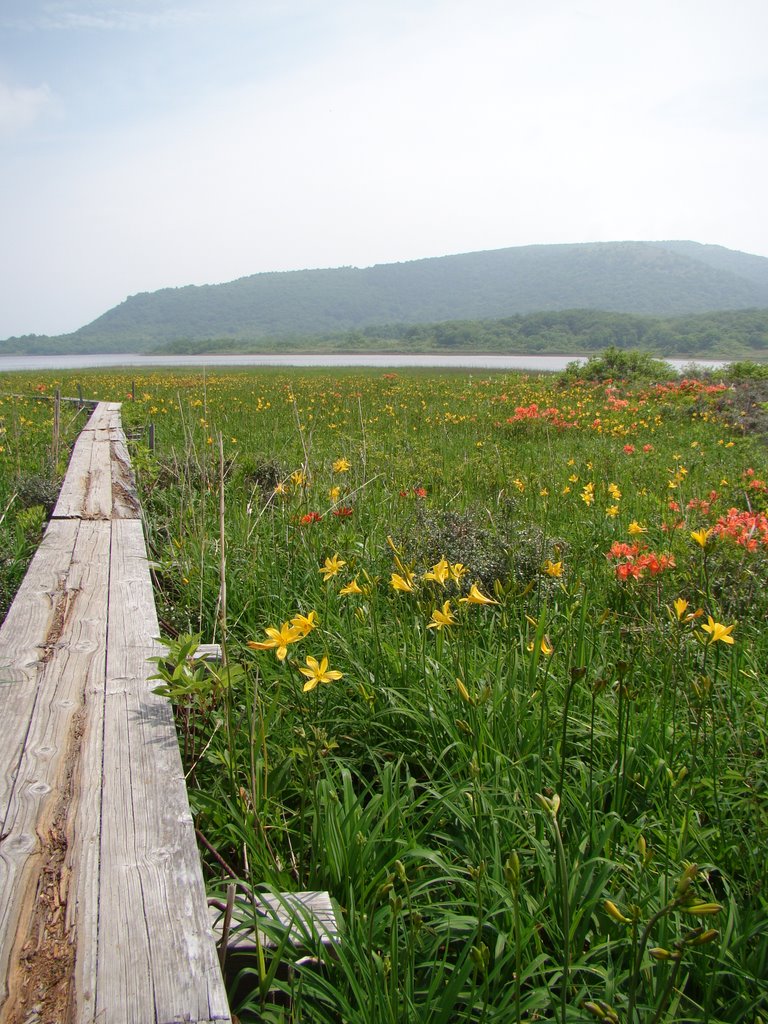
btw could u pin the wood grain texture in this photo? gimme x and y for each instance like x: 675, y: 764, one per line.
x: 35, y: 868
x: 26, y: 635
x: 167, y: 969
x: 125, y: 499
x: 308, y: 916
x: 84, y: 835
x: 72, y: 496
x: 87, y: 489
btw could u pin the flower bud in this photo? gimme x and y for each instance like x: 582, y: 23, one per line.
x: 551, y: 804
x: 703, y: 936
x: 659, y: 953
x: 602, y: 1010
x: 613, y: 911
x: 701, y: 909
x: 684, y: 881
x: 512, y: 870
x: 480, y: 956
x: 463, y: 691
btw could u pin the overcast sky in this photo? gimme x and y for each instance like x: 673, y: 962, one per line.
x: 155, y: 143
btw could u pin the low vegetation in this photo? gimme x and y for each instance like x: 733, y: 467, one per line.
x: 34, y: 448
x: 492, y: 675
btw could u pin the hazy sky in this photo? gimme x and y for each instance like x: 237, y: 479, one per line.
x: 154, y: 143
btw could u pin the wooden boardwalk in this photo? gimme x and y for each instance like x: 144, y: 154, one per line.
x: 103, y: 915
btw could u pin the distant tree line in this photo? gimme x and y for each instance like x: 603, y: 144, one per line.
x: 733, y: 333
x: 727, y: 334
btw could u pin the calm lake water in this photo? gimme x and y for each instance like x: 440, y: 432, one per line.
x: 432, y: 360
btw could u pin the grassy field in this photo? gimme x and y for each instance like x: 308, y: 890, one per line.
x: 494, y: 676
x: 35, y: 441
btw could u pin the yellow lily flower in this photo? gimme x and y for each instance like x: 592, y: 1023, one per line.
x: 305, y: 623
x: 476, y: 596
x: 545, y: 647
x: 439, y: 573
x: 442, y: 618
x: 701, y: 537
x: 331, y: 567
x: 402, y: 583
x: 351, y: 588
x: 680, y: 606
x: 717, y: 631
x: 318, y: 672
x: 635, y: 529
x: 342, y: 465
x: 279, y: 639
x: 553, y: 569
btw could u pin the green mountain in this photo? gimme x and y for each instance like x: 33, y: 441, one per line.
x: 650, y: 278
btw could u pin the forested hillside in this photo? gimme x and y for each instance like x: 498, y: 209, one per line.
x: 661, y: 279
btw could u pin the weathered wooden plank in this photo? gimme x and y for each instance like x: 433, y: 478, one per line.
x: 98, y: 498
x: 28, y: 634
x: 87, y: 489
x: 72, y: 495
x: 308, y: 917
x: 157, y: 959
x: 36, y: 950
x: 125, y: 500
x: 209, y: 652
x: 112, y: 416
x: 84, y: 829
x: 98, y: 504
x: 84, y: 854
x: 102, y: 868
x: 99, y: 418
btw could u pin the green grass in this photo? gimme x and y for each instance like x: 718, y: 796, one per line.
x: 33, y: 458
x: 551, y: 806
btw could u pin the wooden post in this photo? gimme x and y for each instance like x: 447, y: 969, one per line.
x: 79, y: 396
x: 133, y: 390
x: 151, y: 437
x: 56, y: 428
x: 222, y: 555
